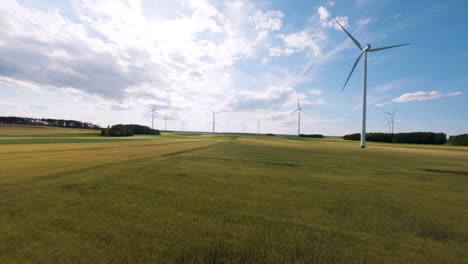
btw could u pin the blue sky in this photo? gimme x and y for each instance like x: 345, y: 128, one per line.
x: 108, y: 62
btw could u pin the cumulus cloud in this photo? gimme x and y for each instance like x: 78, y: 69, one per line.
x: 324, y: 18
x: 113, y: 49
x: 270, y: 20
x: 324, y: 15
x: 418, y: 96
x: 119, y: 57
x: 301, y: 41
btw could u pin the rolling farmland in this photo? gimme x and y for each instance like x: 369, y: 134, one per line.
x: 203, y: 198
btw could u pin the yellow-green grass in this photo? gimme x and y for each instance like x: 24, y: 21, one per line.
x: 237, y: 200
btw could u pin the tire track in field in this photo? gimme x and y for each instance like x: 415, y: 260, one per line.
x: 195, y: 149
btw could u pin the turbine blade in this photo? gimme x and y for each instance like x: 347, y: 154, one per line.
x: 388, y: 113
x: 350, y: 36
x: 389, y: 47
x: 354, y: 67
x: 294, y: 111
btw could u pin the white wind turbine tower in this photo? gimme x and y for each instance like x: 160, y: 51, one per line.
x: 258, y: 126
x: 298, y: 110
x: 214, y: 119
x: 153, y: 110
x: 389, y: 124
x: 391, y: 119
x: 364, y: 51
x: 165, y: 122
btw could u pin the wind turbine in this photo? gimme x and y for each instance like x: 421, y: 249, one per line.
x: 367, y: 48
x: 214, y: 119
x: 389, y: 124
x: 153, y: 110
x: 165, y: 122
x: 298, y: 110
x: 182, y: 124
x: 258, y: 126
x: 391, y: 119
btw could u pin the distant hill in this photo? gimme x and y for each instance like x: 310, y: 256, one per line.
x: 15, y: 120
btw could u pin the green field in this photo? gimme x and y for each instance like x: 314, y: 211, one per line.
x: 227, y: 199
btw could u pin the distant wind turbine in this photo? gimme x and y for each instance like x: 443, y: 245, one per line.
x: 214, y: 119
x: 182, y: 124
x: 364, y: 51
x: 258, y: 126
x: 153, y: 110
x: 389, y: 124
x: 165, y: 122
x: 391, y: 119
x: 298, y: 110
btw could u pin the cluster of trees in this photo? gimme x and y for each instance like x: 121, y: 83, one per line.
x: 413, y: 137
x: 311, y: 135
x: 128, y: 130
x: 459, y: 139
x: 143, y: 130
x: 376, y: 137
x: 15, y: 120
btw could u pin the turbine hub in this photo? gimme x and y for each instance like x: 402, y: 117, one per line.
x: 368, y: 47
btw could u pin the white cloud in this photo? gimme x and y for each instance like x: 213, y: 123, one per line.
x: 273, y: 97
x: 270, y: 20
x: 324, y: 19
x: 20, y: 84
x: 315, y: 91
x: 114, y: 51
x: 381, y: 104
x: 324, y: 15
x: 303, y: 40
x: 454, y: 94
x: 363, y: 21
x: 296, y: 42
x: 418, y: 96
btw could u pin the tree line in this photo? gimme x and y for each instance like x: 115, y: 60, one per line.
x: 413, y: 137
x: 459, y: 139
x: 15, y: 120
x: 311, y: 135
x: 121, y: 130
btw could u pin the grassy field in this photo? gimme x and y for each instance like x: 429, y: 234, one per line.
x: 38, y: 131
x: 229, y: 199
